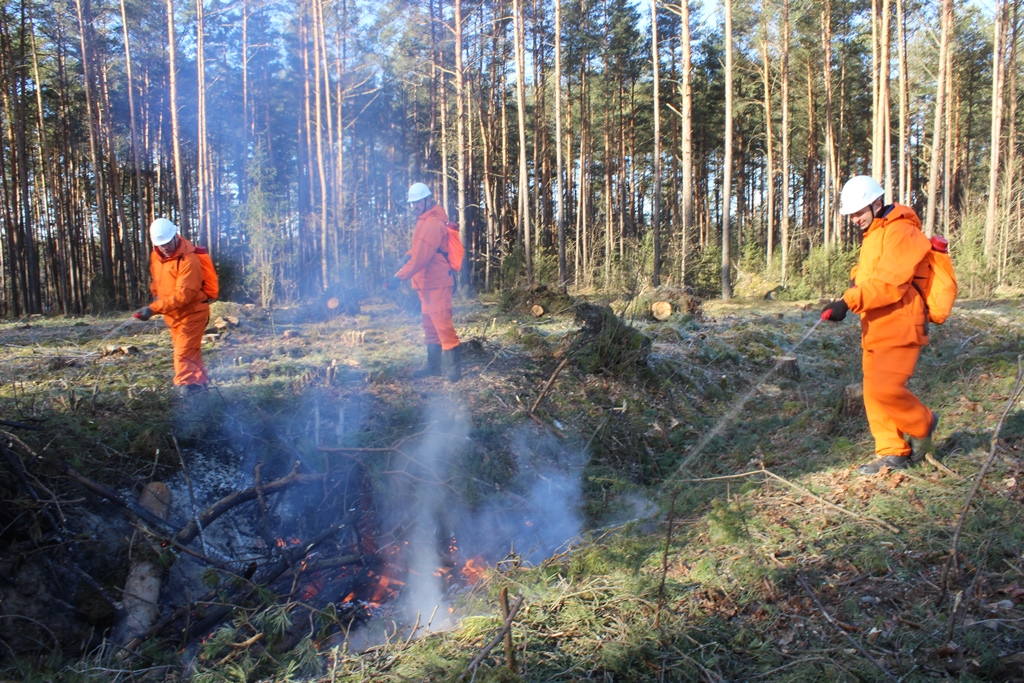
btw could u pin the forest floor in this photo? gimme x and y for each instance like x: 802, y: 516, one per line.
x: 671, y: 512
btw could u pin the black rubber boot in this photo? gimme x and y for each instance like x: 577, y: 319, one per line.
x: 455, y: 363
x: 433, y: 368
x: 893, y: 462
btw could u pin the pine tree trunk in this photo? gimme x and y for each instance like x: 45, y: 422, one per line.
x: 769, y: 175
x: 784, y: 72
x: 142, y: 216
x: 84, y: 24
x: 563, y: 276
x: 524, y: 196
x: 998, y: 66
x: 460, y: 127
x: 727, y: 165
x: 179, y: 168
x: 830, y: 147
x: 885, y: 103
x: 656, y: 199
x: 904, y: 165
x: 686, y: 95
x: 940, y: 99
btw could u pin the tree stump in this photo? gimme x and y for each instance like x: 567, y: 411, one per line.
x: 788, y: 367
x: 661, y: 310
x: 537, y: 310
x: 853, y: 400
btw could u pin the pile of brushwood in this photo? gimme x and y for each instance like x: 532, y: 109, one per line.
x: 719, y: 532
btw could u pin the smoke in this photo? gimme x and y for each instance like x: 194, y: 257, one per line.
x: 523, y: 521
x: 427, y: 494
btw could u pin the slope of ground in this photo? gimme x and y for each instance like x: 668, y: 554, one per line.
x: 755, y: 554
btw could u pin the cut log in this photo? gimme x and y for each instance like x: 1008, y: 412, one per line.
x: 537, y: 310
x: 140, y: 606
x: 788, y: 367
x: 853, y: 400
x: 661, y: 310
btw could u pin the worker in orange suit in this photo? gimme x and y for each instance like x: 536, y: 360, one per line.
x: 893, y: 320
x: 429, y: 273
x: 176, y: 282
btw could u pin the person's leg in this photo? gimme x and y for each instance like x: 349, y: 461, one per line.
x: 893, y: 410
x: 430, y: 337
x: 437, y: 303
x: 187, y: 340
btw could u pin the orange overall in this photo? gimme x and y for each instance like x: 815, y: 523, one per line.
x: 176, y: 283
x: 429, y: 274
x: 893, y: 329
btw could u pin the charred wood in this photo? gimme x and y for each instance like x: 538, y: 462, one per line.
x: 191, y: 530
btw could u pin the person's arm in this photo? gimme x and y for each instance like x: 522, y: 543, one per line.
x: 902, y: 250
x: 424, y: 246
x: 188, y: 284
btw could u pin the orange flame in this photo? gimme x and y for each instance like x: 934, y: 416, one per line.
x: 473, y: 570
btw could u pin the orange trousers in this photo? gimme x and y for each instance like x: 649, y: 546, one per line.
x: 187, y: 340
x: 893, y: 411
x: 438, y: 327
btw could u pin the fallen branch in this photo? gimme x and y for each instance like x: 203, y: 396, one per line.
x: 110, y: 494
x: 1018, y: 387
x: 853, y: 641
x: 510, y: 652
x: 18, y: 468
x: 930, y: 459
x: 191, y: 530
x: 837, y: 508
x: 381, y: 449
x: 547, y: 385
x: 20, y: 425
x: 498, y: 637
x: 664, y: 562
x: 801, y: 489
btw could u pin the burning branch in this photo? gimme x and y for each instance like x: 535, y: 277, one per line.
x: 191, y: 530
x: 240, y: 596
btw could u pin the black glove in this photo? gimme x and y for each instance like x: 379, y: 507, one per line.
x: 393, y: 283
x: 835, y: 311
x: 143, y: 314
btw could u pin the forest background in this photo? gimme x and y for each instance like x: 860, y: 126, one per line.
x: 576, y: 143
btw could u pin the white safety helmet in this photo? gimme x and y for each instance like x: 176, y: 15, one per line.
x: 162, y: 231
x: 418, y: 191
x: 858, y: 192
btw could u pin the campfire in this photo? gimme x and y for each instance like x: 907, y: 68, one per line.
x: 314, y: 554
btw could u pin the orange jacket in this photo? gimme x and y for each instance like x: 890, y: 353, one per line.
x: 176, y: 283
x: 892, y: 311
x: 428, y: 269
